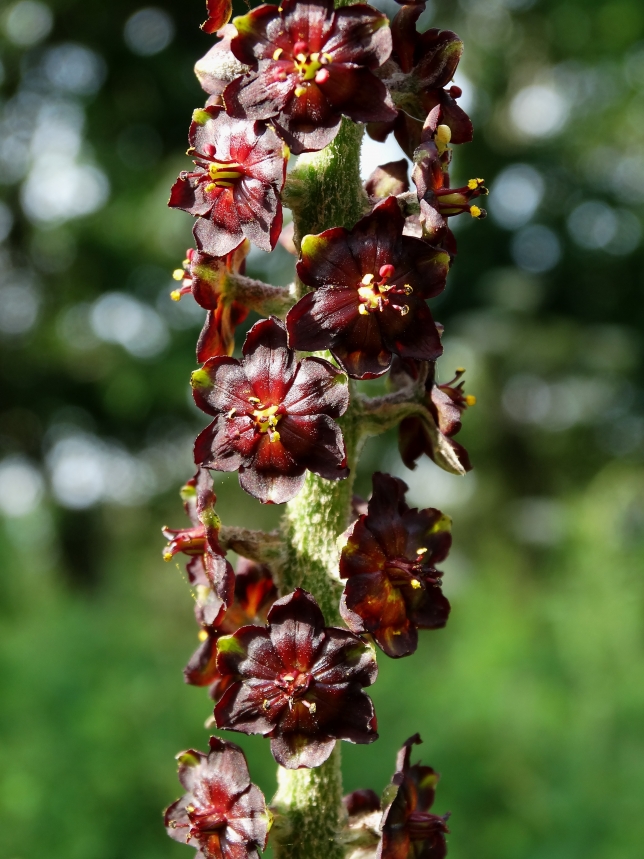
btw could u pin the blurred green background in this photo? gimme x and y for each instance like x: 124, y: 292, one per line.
x: 531, y: 701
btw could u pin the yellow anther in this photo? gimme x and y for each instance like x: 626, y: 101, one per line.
x: 404, y: 310
x: 178, y: 274
x: 362, y: 310
x: 175, y: 295
x: 328, y: 57
x: 470, y: 399
x: 421, y: 551
x: 266, y: 704
x: 473, y: 184
x: 278, y: 53
x: 254, y: 400
x: 312, y: 709
x: 203, y: 635
x: 190, y: 808
x: 408, y: 289
x: 273, y: 436
x: 210, y: 187
x: 289, y: 678
x: 301, y: 58
x: 315, y: 56
x: 167, y: 555
x: 415, y: 584
x: 460, y: 370
x: 231, y: 413
x: 475, y: 212
x: 443, y: 134
x: 367, y: 279
x: 300, y: 91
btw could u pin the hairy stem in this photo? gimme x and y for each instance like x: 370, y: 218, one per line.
x: 324, y: 190
x: 259, y: 296
x: 260, y: 546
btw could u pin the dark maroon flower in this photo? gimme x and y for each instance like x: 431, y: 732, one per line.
x: 420, y: 67
x: 434, y: 435
x: 273, y: 416
x: 205, y: 277
x: 437, y: 200
x: 393, y: 588
x: 240, y: 167
x: 310, y: 64
x: 388, y: 180
x: 222, y: 813
x: 298, y: 682
x: 370, y: 285
x: 255, y: 592
x: 409, y: 830
x: 219, y: 12
x: 208, y: 570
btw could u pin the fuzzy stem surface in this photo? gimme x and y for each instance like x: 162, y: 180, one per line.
x: 324, y: 191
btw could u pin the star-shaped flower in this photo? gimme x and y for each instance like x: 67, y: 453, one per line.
x: 298, y: 682
x: 370, y: 285
x: 240, y: 167
x: 222, y: 813
x: 273, y: 417
x: 310, y: 63
x: 393, y: 588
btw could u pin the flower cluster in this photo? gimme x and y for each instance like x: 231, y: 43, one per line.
x: 281, y: 81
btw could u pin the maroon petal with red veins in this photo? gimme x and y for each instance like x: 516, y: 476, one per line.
x: 269, y: 365
x: 296, y: 629
x: 317, y: 387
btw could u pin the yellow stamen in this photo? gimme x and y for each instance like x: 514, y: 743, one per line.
x: 473, y: 184
x: 470, y: 399
x: 277, y: 54
x: 475, y: 212
x: 175, y: 295
x: 299, y: 91
x: 367, y: 279
x: 415, y: 584
x: 178, y: 274
x: 443, y: 134
x: 421, y: 551
x: 203, y: 635
x: 167, y: 556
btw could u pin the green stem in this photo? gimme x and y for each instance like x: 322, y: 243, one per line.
x: 324, y: 190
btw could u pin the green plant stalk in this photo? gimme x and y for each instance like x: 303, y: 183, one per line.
x: 324, y: 190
